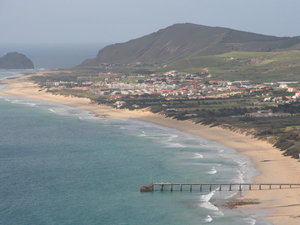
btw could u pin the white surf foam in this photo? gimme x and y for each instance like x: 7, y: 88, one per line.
x: 6, y: 74
x: 5, y: 99
x: 19, y: 101
x: 205, y: 203
x: 30, y: 104
x: 208, y: 219
x: 174, y: 145
x: 198, y: 156
x: 250, y: 221
x: 60, y: 111
x: 172, y: 137
x: 207, y: 197
x: 143, y: 134
x: 208, y: 205
x: 212, y: 171
x: 54, y: 108
x: 241, y: 171
x: 231, y: 196
x: 68, y: 111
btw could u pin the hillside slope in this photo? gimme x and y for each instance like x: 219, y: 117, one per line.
x: 255, y: 66
x: 182, y: 41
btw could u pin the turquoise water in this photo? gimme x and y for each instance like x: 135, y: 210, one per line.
x: 60, y: 165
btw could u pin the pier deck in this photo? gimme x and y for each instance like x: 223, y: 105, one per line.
x: 216, y: 186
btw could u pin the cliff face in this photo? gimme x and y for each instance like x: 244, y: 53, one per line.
x: 15, y: 60
x: 182, y: 41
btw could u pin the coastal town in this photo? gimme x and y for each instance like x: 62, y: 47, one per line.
x: 266, y: 110
x: 175, y: 85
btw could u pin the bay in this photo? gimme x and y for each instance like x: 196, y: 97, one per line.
x: 60, y: 165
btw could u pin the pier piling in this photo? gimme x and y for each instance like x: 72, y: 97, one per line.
x: 219, y: 186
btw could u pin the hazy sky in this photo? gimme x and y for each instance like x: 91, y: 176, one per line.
x: 98, y: 21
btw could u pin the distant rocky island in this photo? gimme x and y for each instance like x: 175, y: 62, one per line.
x: 15, y: 60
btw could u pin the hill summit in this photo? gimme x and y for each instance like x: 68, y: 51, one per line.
x: 15, y: 60
x: 181, y: 41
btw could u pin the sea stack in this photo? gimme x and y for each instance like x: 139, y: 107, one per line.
x: 15, y: 60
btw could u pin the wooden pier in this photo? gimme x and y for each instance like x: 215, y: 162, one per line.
x: 215, y: 186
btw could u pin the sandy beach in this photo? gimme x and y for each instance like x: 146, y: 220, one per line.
x: 283, y: 205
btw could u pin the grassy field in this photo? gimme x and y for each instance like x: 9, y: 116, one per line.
x: 255, y: 66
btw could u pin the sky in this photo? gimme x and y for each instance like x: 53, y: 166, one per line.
x: 112, y: 21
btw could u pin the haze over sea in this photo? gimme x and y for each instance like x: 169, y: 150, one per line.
x: 60, y: 165
x: 53, y: 56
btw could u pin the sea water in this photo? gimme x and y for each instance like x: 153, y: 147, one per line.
x: 60, y: 165
x: 53, y: 56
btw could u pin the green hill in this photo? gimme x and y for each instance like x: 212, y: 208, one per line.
x: 256, y: 66
x: 186, y: 41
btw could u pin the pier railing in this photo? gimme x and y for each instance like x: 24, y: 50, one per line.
x: 215, y: 186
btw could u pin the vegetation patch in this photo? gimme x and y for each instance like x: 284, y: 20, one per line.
x: 241, y: 202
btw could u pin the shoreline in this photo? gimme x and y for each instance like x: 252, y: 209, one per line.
x: 268, y: 161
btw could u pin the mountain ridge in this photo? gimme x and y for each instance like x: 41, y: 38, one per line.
x: 186, y: 40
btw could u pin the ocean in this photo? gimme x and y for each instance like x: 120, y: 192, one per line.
x: 54, y: 56
x: 60, y: 165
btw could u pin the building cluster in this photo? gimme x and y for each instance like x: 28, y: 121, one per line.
x: 293, y: 93
x: 176, y: 85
